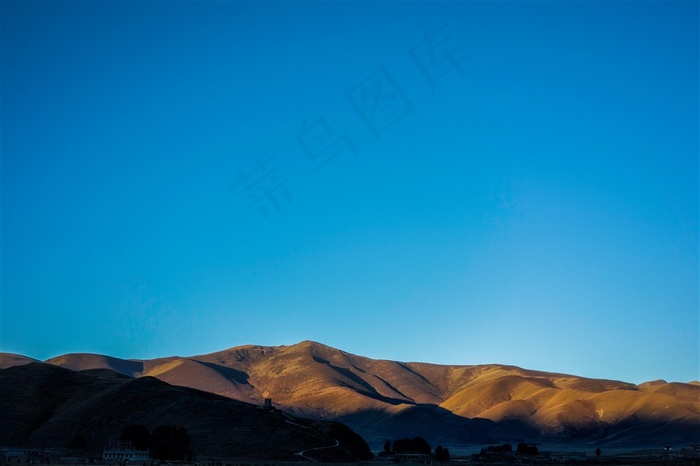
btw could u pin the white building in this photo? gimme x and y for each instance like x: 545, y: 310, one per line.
x: 20, y: 452
x: 667, y: 452
x: 567, y: 456
x: 121, y: 453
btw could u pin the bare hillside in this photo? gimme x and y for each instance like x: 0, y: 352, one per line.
x: 448, y: 404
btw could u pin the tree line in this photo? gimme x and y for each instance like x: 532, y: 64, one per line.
x: 414, y: 445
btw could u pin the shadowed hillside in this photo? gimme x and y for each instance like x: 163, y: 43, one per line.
x: 446, y: 404
x: 48, y: 406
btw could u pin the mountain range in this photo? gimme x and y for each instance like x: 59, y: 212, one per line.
x: 446, y: 404
x: 45, y: 406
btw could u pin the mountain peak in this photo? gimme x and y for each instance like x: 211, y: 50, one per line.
x: 308, y: 343
x: 314, y: 345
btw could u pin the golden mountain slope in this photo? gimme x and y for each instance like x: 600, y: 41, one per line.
x: 385, y: 399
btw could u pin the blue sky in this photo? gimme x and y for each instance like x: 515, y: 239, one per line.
x: 456, y: 183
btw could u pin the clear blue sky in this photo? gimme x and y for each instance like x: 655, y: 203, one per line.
x: 457, y: 183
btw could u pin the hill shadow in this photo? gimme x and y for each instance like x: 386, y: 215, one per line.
x: 125, y: 366
x: 366, y: 390
x: 437, y: 425
x: 394, y: 389
x: 440, y: 427
x: 237, y: 376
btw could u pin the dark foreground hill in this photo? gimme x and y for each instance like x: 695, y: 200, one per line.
x: 448, y: 405
x: 47, y: 406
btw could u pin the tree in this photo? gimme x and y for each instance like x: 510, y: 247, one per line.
x: 171, y: 443
x: 507, y: 447
x: 138, y: 435
x: 442, y: 454
x: 420, y: 445
x: 401, y: 445
x: 524, y: 449
x: 78, y: 442
x: 387, y: 447
x: 597, y: 451
x: 412, y: 445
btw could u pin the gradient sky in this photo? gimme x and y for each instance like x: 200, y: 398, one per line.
x: 180, y: 178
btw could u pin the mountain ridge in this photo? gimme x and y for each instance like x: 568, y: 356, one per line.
x: 269, y: 348
x: 383, y: 399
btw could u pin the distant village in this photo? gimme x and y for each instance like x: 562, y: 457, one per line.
x: 124, y: 453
